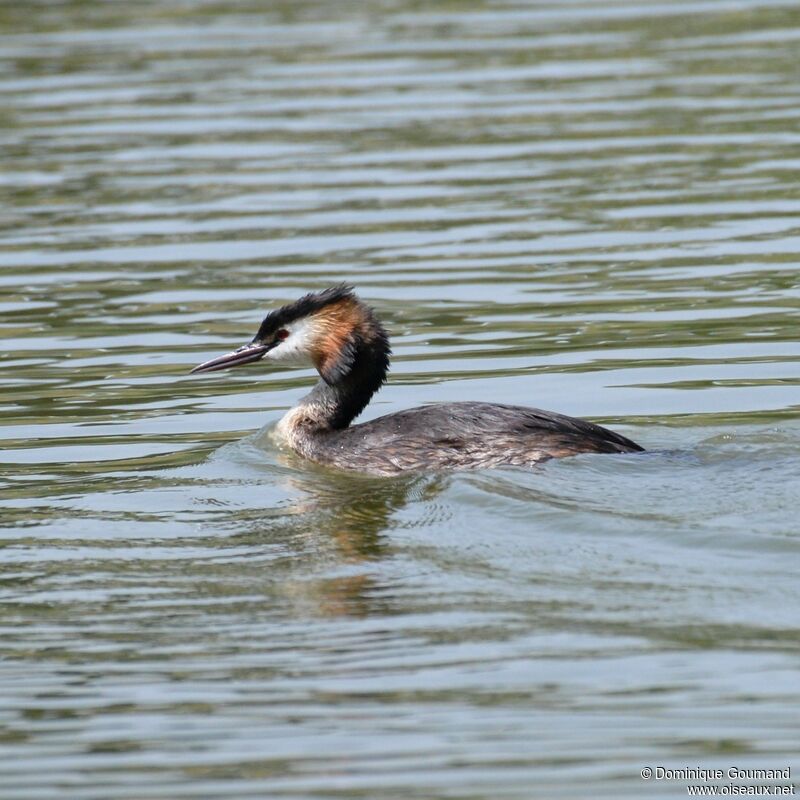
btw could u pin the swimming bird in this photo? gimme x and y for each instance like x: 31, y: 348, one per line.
x: 340, y: 335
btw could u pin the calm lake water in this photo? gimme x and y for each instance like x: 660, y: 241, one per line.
x: 588, y: 207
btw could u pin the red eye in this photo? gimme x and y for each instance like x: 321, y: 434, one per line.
x: 281, y: 334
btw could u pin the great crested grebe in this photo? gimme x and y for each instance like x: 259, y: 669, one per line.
x: 342, y: 338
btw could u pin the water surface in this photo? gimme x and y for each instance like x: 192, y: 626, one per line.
x: 587, y: 207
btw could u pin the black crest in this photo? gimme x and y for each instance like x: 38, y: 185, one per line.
x: 308, y: 304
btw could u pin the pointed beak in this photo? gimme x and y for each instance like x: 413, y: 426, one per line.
x: 242, y: 355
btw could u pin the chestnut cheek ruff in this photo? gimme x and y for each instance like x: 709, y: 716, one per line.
x: 335, y: 356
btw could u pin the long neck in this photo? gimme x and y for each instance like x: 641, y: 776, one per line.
x: 333, y: 406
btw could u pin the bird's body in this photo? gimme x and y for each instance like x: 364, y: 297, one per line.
x: 455, y: 436
x: 349, y: 347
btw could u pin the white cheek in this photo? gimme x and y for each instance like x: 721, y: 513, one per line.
x: 296, y: 347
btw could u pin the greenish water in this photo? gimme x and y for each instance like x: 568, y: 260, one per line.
x: 587, y: 207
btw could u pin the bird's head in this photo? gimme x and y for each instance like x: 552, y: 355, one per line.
x: 327, y: 329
